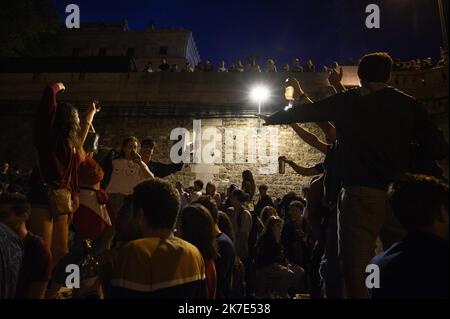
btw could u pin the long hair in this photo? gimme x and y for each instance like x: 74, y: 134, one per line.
x: 225, y: 225
x: 67, y: 126
x: 270, y: 225
x: 247, y: 176
x: 248, y: 183
x: 266, y: 213
x: 197, y: 227
x: 125, y: 143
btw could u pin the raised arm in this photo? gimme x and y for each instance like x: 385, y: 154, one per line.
x: 87, y: 122
x: 145, y: 171
x: 46, y: 113
x: 329, y: 130
x: 304, y: 171
x: 162, y: 170
x: 329, y: 109
x: 310, y: 138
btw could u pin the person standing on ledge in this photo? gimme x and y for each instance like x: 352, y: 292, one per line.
x: 159, y: 169
x: 376, y: 126
x: 127, y: 171
x: 58, y: 138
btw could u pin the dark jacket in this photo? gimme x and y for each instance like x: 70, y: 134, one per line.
x: 162, y: 170
x: 375, y: 133
x: 416, y: 267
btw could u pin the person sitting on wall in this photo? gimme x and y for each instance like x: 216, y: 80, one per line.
x: 310, y: 67
x: 164, y: 66
x: 187, y: 67
x: 222, y: 67
x: 296, y: 67
x: 208, y: 67
x: 148, y: 68
x: 270, y: 66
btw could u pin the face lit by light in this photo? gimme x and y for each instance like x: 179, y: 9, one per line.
x: 130, y: 148
x: 147, y: 150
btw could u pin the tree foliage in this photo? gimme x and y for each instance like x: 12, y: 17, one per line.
x: 29, y: 28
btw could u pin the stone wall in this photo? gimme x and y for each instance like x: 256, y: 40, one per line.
x: 114, y: 129
x: 154, y: 104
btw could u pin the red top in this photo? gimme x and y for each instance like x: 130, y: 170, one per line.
x: 94, y: 215
x: 211, y: 279
x: 57, y: 162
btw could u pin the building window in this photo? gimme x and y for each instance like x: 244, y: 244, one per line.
x: 130, y: 52
x: 75, y: 52
x: 163, y: 50
x: 102, y: 52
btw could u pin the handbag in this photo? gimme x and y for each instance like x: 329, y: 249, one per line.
x: 60, y: 199
x: 61, y: 202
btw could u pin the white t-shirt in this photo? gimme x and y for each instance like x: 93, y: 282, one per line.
x: 125, y: 176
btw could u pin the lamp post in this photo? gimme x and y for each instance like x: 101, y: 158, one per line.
x: 259, y: 94
x: 443, y: 24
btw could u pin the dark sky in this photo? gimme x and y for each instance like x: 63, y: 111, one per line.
x: 324, y: 30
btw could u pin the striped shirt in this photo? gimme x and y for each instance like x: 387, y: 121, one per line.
x: 155, y: 267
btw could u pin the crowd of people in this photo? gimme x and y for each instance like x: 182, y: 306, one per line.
x: 270, y: 66
x: 420, y: 64
x: 135, y: 235
x: 237, y: 66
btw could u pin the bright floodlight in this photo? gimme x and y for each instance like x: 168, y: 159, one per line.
x: 259, y: 94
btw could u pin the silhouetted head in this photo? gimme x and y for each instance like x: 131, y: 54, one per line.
x: 375, y: 67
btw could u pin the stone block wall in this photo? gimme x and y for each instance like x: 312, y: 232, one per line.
x: 15, y: 146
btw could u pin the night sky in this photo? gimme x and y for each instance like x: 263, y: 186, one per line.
x: 324, y: 30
